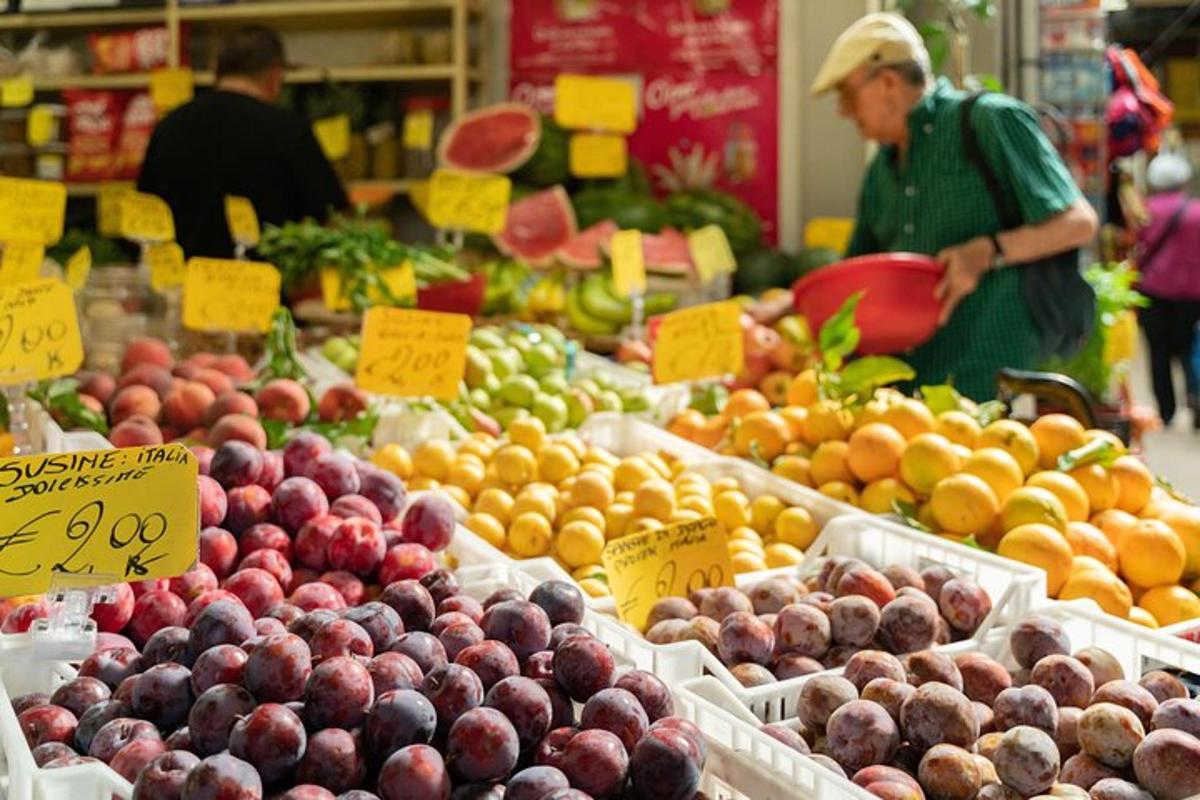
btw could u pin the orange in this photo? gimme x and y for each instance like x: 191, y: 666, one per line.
x: 795, y: 417
x: 744, y: 402
x: 688, y: 424
x: 879, y: 497
x: 1098, y: 584
x: 1055, y: 435
x: 1171, y: 604
x: 1151, y: 554
x: 829, y: 463
x: 1014, y: 438
x: 928, y: 458
x: 1101, y: 486
x: 874, y: 452
x: 910, y: 417
x: 802, y: 391
x: 1031, y: 504
x: 654, y: 498
x: 794, y: 468
x: 762, y: 435
x: 1041, y: 546
x: 1087, y: 540
x: 1141, y: 616
x: 774, y: 386
x: 958, y: 426
x: 1134, y: 483
x: 840, y: 490
x: 997, y: 468
x: 1066, y: 489
x: 1185, y: 521
x: 827, y: 420
x: 871, y: 411
x: 591, y: 489
x: 1091, y: 434
x: 964, y: 504
x: 631, y: 473
x: 1114, y: 523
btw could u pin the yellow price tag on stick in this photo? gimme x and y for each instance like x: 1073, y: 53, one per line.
x: 108, y: 206
x: 674, y: 561
x: 171, y: 87
x: 32, y: 211
x: 242, y: 221
x: 699, y: 342
x: 22, y: 262
x: 333, y: 134
x: 225, y: 295
x: 16, y: 92
x: 711, y: 252
x: 79, y: 267
x: 167, y: 269
x: 598, y: 155
x: 628, y: 263
x: 131, y: 513
x: 417, y: 133
x: 410, y: 353
x: 590, y: 103
x: 39, y: 126
x: 144, y: 218
x: 401, y: 282
x: 468, y: 201
x: 39, y: 331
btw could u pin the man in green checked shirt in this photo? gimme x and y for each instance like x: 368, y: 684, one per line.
x: 923, y: 194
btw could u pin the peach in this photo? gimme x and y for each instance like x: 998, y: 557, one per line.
x: 203, y: 359
x: 237, y: 426
x: 134, y: 400
x: 342, y: 402
x: 235, y: 367
x: 231, y: 403
x: 185, y: 370
x: 285, y: 400
x: 218, y: 381
x: 146, y: 350
x: 185, y: 407
x: 91, y: 403
x: 152, y: 375
x: 99, y: 385
x: 136, y: 431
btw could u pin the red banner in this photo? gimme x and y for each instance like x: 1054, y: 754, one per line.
x: 572, y: 36
x: 719, y: 35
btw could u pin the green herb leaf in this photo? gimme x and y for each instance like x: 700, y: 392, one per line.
x: 839, y: 335
x: 1097, y: 451
x: 988, y: 412
x: 941, y: 398
x: 908, y: 513
x: 862, y: 376
x: 1170, y: 489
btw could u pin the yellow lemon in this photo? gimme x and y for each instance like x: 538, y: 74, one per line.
x: 764, y: 509
x: 828, y: 463
x: 539, y: 502
x: 598, y: 455
x: 1056, y: 434
x: 591, y: 489
x: 658, y: 464
x: 725, y: 485
x: 746, y: 546
x: 701, y: 505
x: 928, y: 458
x: 747, y: 562
x: 1114, y: 523
x: 631, y: 473
x: 959, y: 427
x: 556, y: 462
x: 419, y: 483
x: 880, y: 497
x: 529, y: 535
x: 782, y: 555
x: 1030, y: 504
x: 458, y: 495
x: 529, y: 432
x: 488, y: 528
x: 1042, y: 546
x: 1013, y: 438
x: 433, y: 458
x: 515, y: 464
x: 654, y: 498
x: 1100, y: 585
x: 840, y: 491
x: 1068, y: 491
x: 964, y: 504
x: 795, y: 468
x: 1170, y: 604
x: 795, y: 526
x: 594, y: 587
x: 587, y: 514
x: 1141, y: 616
x: 827, y: 421
x: 749, y: 534
x: 997, y: 468
x: 395, y: 459
x: 909, y: 416
x: 467, y: 475
x: 641, y: 524
x: 1151, y: 554
x: 684, y: 515
x: 495, y: 502
x: 579, y: 543
x: 616, y: 520
x: 732, y: 509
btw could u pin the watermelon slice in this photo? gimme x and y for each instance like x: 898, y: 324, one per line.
x: 537, y: 226
x: 665, y: 252
x: 498, y: 138
x: 584, y: 251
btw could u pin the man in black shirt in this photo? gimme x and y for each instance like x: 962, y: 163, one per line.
x: 235, y: 141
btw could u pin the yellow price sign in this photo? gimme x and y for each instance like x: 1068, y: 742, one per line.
x: 16, y: 92
x: 333, y: 134
x: 226, y: 295
x: 590, y: 103
x: 628, y: 263
x: 144, y: 218
x: 468, y: 201
x: 711, y: 252
x: 242, y: 221
x: 108, y: 206
x: 401, y: 282
x: 79, y: 267
x: 410, y: 353
x: 417, y: 133
x: 598, y: 155
x: 39, y: 126
x: 132, y: 514
x: 699, y: 342
x: 167, y: 268
x: 32, y: 210
x: 171, y: 87
x: 22, y: 262
x: 39, y: 331
x: 674, y: 561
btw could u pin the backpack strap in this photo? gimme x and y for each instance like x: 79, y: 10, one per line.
x: 1009, y: 218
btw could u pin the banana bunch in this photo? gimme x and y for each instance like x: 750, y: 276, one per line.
x: 593, y: 306
x: 547, y: 297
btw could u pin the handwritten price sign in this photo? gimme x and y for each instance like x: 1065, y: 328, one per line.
x: 598, y: 155
x: 108, y: 206
x: 131, y: 513
x: 409, y: 353
x: 39, y: 331
x: 469, y: 202
x: 22, y: 262
x: 32, y: 210
x: 401, y: 281
x: 699, y: 342
x: 711, y: 252
x: 605, y: 104
x: 242, y: 221
x: 144, y: 218
x: 167, y: 268
x: 225, y: 295
x: 669, y: 562
x: 628, y: 263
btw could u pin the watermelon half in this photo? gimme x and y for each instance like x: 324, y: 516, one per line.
x: 537, y: 226
x: 498, y: 138
x: 585, y: 251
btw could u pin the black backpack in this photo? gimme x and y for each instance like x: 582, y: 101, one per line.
x: 1061, y: 303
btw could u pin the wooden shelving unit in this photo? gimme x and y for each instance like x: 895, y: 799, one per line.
x: 400, y: 73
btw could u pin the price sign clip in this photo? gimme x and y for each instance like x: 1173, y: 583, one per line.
x: 69, y: 633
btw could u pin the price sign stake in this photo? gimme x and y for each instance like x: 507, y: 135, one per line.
x: 132, y: 513
x: 673, y: 561
x: 468, y: 201
x: 409, y: 353
x: 39, y: 331
x: 698, y: 342
x: 166, y: 265
x: 629, y: 263
x: 232, y: 296
x: 144, y: 218
x: 32, y: 210
x: 242, y: 221
x: 589, y: 103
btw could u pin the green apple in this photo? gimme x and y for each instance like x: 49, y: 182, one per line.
x: 479, y: 367
x: 491, y: 385
x: 634, y: 400
x: 541, y: 359
x: 506, y: 414
x: 480, y: 399
x: 487, y: 339
x: 603, y: 381
x: 608, y: 400
x: 506, y: 361
x: 518, y: 341
x: 579, y: 407
x: 588, y: 386
x: 518, y: 390
x: 554, y: 383
x: 551, y: 410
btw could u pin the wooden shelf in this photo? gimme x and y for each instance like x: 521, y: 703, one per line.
x: 90, y: 18
x: 397, y: 187
x: 386, y: 73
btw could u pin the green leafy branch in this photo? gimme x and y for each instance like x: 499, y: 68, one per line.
x: 61, y: 399
x: 944, y: 397
x: 857, y: 380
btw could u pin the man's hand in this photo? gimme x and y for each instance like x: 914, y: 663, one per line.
x: 965, y: 266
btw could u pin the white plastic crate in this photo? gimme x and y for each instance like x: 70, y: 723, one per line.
x: 624, y: 435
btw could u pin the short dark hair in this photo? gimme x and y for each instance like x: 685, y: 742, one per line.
x: 251, y: 51
x: 914, y: 73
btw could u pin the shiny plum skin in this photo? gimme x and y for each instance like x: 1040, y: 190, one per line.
x: 618, y: 712
x: 482, y: 746
x: 163, y: 695
x: 453, y: 689
x: 117, y: 733
x: 561, y: 601
x: 415, y: 772
x: 163, y: 778
x: 526, y: 705
x: 47, y: 723
x: 661, y: 766
x: 519, y: 624
x: 278, y: 669
x: 334, y: 760
x: 339, y: 693
x: 272, y: 738
x: 221, y: 664
x: 398, y: 719
x: 222, y: 777
x: 222, y: 622
x: 412, y: 602
x: 583, y: 666
x: 650, y: 691
x: 595, y: 762
x: 534, y: 783
x: 80, y: 694
x: 212, y: 716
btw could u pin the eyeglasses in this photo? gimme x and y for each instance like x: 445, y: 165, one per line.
x: 848, y: 93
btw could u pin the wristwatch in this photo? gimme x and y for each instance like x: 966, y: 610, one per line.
x: 997, y: 251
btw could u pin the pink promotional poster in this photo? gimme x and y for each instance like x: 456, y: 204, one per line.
x: 707, y: 79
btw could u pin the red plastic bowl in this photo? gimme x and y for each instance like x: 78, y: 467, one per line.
x: 456, y: 297
x: 897, y: 310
